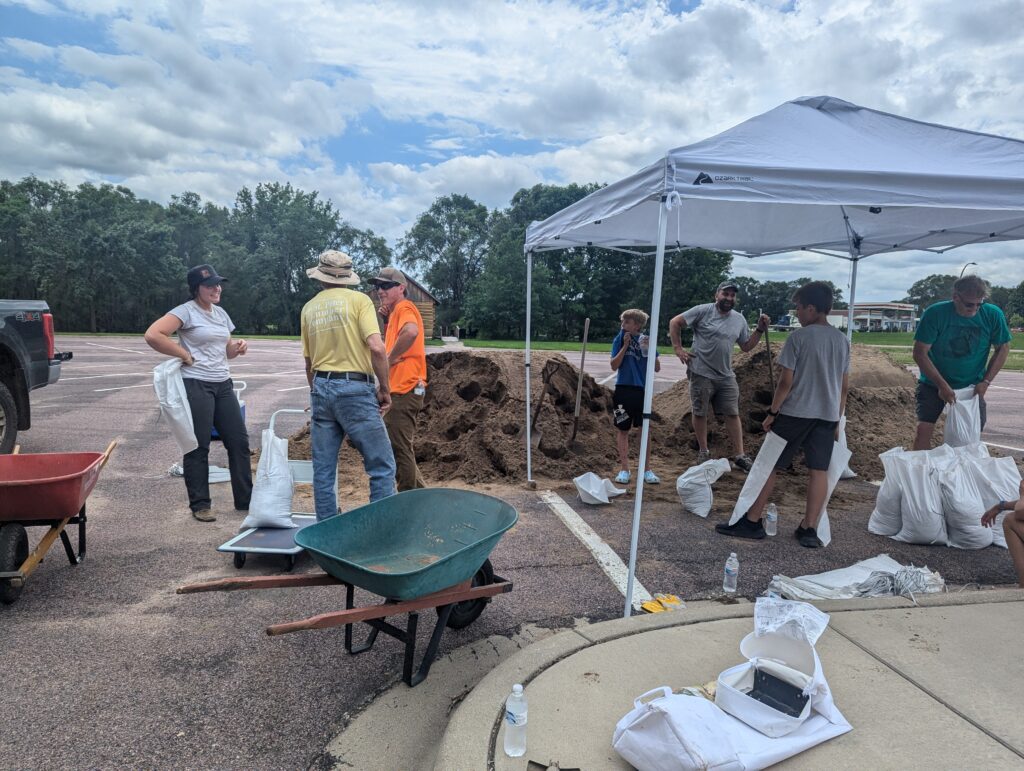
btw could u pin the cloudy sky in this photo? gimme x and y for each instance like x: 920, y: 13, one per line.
x: 385, y: 106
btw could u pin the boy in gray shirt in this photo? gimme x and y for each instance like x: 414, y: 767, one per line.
x: 805, y: 411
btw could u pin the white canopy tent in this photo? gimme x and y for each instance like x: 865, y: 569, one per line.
x: 816, y: 174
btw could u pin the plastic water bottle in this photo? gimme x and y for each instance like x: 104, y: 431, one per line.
x: 420, y: 389
x: 771, y: 520
x: 645, y: 344
x: 515, y: 723
x: 732, y: 573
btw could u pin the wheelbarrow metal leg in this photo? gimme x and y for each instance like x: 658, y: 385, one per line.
x: 431, y: 653
x: 75, y: 559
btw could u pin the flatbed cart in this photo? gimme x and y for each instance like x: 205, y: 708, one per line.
x: 418, y: 549
x: 42, y: 489
x: 275, y: 540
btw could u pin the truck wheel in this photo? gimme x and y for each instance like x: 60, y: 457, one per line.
x: 8, y: 420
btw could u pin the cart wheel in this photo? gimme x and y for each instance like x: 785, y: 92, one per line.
x: 13, y: 552
x: 289, y: 565
x: 239, y: 559
x: 465, y: 613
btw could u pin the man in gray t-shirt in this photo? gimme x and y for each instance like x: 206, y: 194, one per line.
x: 716, y: 328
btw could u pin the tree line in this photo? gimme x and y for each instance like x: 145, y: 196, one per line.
x: 108, y: 261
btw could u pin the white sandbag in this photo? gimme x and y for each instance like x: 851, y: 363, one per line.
x: 593, y: 489
x: 271, y: 501
x: 769, y: 453
x: 694, y: 485
x: 174, y: 406
x: 848, y: 473
x: 840, y: 460
x: 963, y: 419
x: 921, y: 507
x: 886, y: 519
x: 998, y: 479
x: 963, y: 509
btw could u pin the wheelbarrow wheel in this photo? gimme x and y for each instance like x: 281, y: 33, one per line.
x: 13, y: 552
x: 465, y: 613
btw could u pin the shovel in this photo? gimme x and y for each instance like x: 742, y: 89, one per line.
x: 536, y: 435
x: 768, y: 347
x: 579, y: 383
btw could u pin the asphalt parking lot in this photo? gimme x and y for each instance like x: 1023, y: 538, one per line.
x: 104, y: 665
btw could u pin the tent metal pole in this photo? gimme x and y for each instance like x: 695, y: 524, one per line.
x: 529, y: 306
x: 854, y: 260
x: 645, y: 432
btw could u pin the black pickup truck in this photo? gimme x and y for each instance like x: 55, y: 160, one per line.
x: 27, y: 361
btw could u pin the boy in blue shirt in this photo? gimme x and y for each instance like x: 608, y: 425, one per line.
x: 629, y: 360
x: 951, y: 348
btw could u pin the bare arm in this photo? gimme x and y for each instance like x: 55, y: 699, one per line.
x: 675, y: 327
x: 785, y: 385
x: 930, y: 371
x: 379, y: 360
x: 755, y: 338
x: 994, y: 365
x: 616, y: 361
x: 309, y: 370
x: 406, y: 337
x: 158, y: 337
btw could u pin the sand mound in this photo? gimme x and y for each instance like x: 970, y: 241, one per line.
x: 880, y: 408
x: 472, y: 424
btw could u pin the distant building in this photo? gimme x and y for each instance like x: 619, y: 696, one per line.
x: 877, y: 317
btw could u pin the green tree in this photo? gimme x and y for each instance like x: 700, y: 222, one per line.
x: 930, y: 290
x: 447, y: 244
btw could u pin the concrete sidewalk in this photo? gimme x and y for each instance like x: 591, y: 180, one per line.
x: 935, y: 685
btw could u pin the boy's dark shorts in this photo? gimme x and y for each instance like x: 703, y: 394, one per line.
x: 930, y: 404
x: 815, y: 436
x: 632, y: 399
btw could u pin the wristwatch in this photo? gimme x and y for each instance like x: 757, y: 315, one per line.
x: 774, y: 414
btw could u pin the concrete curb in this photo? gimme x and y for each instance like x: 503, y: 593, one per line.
x: 473, y: 728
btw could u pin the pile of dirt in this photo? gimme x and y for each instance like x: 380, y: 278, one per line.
x: 472, y: 426
x: 879, y: 412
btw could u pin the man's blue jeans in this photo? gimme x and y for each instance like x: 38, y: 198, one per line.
x: 349, y: 408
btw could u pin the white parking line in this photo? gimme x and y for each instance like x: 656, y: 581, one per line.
x: 1007, y: 388
x: 114, y: 374
x: 121, y: 388
x: 296, y: 388
x: 116, y: 348
x: 1005, y: 447
x: 606, y: 557
x: 605, y: 381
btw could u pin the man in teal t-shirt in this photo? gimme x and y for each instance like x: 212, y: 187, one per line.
x: 951, y: 348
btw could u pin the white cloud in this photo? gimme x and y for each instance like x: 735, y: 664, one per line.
x: 212, y: 96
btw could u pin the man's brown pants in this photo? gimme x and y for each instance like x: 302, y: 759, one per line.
x: 401, y: 424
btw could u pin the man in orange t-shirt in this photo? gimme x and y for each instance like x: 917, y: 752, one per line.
x: 407, y: 359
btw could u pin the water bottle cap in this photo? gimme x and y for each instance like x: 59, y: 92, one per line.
x: 517, y: 689
x: 732, y: 554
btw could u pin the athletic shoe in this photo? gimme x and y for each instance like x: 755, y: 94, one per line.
x: 650, y: 478
x: 205, y: 515
x: 743, y: 462
x: 702, y: 456
x: 808, y: 538
x: 743, y: 528
x: 622, y: 478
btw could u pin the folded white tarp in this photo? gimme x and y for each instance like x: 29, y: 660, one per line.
x: 593, y: 489
x: 863, y: 579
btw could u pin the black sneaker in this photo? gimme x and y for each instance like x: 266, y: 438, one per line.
x: 743, y: 528
x: 743, y: 462
x: 808, y: 537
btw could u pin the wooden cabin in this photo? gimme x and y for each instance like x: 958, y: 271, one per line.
x: 424, y: 301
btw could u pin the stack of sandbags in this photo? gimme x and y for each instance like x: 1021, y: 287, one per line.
x: 938, y: 496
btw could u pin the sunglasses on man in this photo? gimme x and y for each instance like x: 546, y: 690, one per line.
x: 385, y: 285
x: 970, y: 305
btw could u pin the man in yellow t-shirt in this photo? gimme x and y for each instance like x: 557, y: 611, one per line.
x: 407, y: 357
x: 347, y: 371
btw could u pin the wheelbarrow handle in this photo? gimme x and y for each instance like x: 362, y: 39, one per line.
x: 106, y: 453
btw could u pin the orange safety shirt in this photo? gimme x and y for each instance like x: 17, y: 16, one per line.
x: 411, y: 368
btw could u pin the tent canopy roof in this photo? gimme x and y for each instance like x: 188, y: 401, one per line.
x: 816, y: 173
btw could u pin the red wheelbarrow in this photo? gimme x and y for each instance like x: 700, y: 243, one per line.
x: 42, y: 489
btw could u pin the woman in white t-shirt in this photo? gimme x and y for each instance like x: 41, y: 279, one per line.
x: 204, y: 345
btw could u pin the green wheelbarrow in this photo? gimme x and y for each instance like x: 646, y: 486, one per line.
x: 418, y: 549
